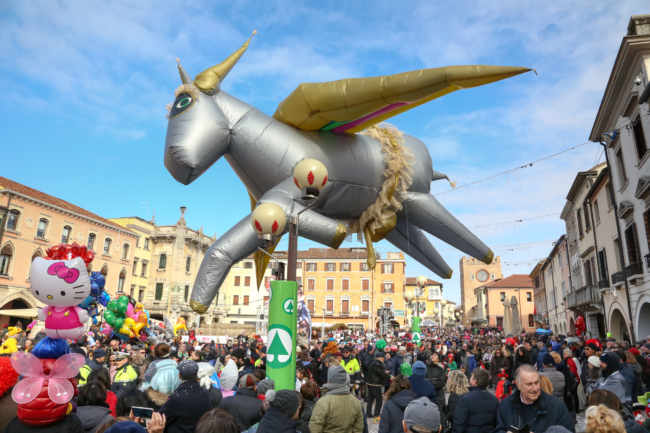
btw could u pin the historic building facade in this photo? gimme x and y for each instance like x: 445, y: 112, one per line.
x: 622, y: 126
x: 475, y: 273
x: 31, y: 221
x: 556, y: 276
x: 491, y: 299
x: 430, y: 302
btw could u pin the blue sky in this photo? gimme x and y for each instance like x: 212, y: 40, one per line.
x: 85, y: 86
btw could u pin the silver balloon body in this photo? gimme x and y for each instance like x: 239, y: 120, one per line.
x: 263, y: 151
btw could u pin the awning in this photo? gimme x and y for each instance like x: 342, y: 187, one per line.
x: 25, y: 313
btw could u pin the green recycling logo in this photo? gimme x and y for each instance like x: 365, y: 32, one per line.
x: 280, y: 346
x: 288, y: 306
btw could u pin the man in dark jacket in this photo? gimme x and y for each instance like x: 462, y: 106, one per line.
x: 244, y: 406
x: 529, y: 407
x: 376, y: 379
x: 476, y: 411
x: 420, y: 386
x: 188, y: 402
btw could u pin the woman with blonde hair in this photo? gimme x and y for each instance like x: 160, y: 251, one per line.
x: 601, y: 419
x: 457, y: 386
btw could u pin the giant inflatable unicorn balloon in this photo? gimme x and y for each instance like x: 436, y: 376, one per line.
x: 378, y: 179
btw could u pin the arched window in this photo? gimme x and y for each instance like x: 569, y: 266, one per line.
x: 107, y: 245
x: 12, y: 219
x: 65, y: 235
x: 91, y: 240
x: 125, y: 251
x: 41, y: 230
x: 6, y: 254
x: 531, y: 320
x: 162, y: 263
x: 120, y: 281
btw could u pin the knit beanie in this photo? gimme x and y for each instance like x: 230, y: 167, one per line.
x: 265, y: 385
x: 419, y: 368
x: 337, y: 375
x: 285, y: 400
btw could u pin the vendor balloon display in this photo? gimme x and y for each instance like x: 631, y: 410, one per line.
x: 322, y: 144
x: 61, y: 281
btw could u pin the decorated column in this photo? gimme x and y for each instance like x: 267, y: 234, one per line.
x: 281, y: 343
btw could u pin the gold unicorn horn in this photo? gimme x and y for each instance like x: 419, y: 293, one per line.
x: 208, y: 81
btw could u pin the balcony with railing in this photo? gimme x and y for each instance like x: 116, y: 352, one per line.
x: 634, y: 269
x: 587, y: 298
x: 618, y: 277
x: 647, y: 261
x: 603, y: 284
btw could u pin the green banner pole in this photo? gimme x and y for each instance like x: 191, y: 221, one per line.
x: 281, y: 342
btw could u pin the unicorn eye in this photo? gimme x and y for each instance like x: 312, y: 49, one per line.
x: 182, y: 102
x: 62, y: 293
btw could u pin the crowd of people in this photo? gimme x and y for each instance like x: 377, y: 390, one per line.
x: 453, y: 382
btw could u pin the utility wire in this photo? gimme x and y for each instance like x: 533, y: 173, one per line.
x: 517, y: 221
x: 514, y: 169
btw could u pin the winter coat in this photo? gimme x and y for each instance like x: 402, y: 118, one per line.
x: 185, y: 406
x: 422, y: 388
x: 451, y: 406
x: 244, y: 406
x: 229, y: 375
x: 475, y: 412
x: 469, y: 364
x: 545, y: 412
x: 337, y: 413
x: 125, y: 380
x: 392, y: 413
x: 632, y: 386
x: 93, y: 417
x: 377, y: 373
x: 540, y: 358
x: 436, y: 375
x: 305, y: 415
x: 615, y: 383
x: 498, y: 362
x: 395, y: 364
x: 69, y: 424
x: 165, y: 379
x: 276, y: 421
x: 557, y: 380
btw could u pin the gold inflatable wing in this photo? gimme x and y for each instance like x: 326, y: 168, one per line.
x: 354, y: 104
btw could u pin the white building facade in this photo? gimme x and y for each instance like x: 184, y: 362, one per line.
x: 622, y: 125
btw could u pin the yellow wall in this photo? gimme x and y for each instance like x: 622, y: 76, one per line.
x: 526, y: 308
x: 355, y: 294
x: 142, y: 255
x: 469, y: 271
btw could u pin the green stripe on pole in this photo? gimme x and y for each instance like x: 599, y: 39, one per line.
x: 281, y: 342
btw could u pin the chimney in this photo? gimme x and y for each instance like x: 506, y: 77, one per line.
x: 639, y: 25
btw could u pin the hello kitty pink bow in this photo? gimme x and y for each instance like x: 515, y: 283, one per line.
x: 59, y: 388
x: 69, y: 275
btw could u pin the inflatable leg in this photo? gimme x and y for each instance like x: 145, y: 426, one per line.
x: 413, y: 242
x: 426, y: 212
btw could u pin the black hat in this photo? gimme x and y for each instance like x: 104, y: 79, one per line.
x: 285, y: 400
x: 188, y: 370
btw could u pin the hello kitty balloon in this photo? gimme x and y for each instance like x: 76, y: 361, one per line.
x: 61, y: 284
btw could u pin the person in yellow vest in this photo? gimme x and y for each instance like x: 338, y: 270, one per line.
x: 126, y: 376
x: 96, y: 363
x: 351, y: 364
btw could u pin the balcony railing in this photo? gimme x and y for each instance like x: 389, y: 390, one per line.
x: 603, y: 284
x: 634, y: 269
x: 586, y: 298
x: 618, y: 277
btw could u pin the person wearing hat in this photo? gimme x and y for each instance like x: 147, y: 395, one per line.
x: 611, y: 378
x: 420, y: 386
x: 96, y: 363
x: 351, y: 364
x: 338, y: 411
x: 421, y: 416
x: 244, y: 406
x: 188, y: 402
x: 282, y: 416
x: 376, y: 379
x: 125, y: 378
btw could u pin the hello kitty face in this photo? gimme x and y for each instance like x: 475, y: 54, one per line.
x: 60, y: 283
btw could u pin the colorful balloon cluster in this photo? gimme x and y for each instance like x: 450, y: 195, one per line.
x: 125, y: 319
x: 97, y: 296
x: 180, y: 324
x: 59, y: 281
